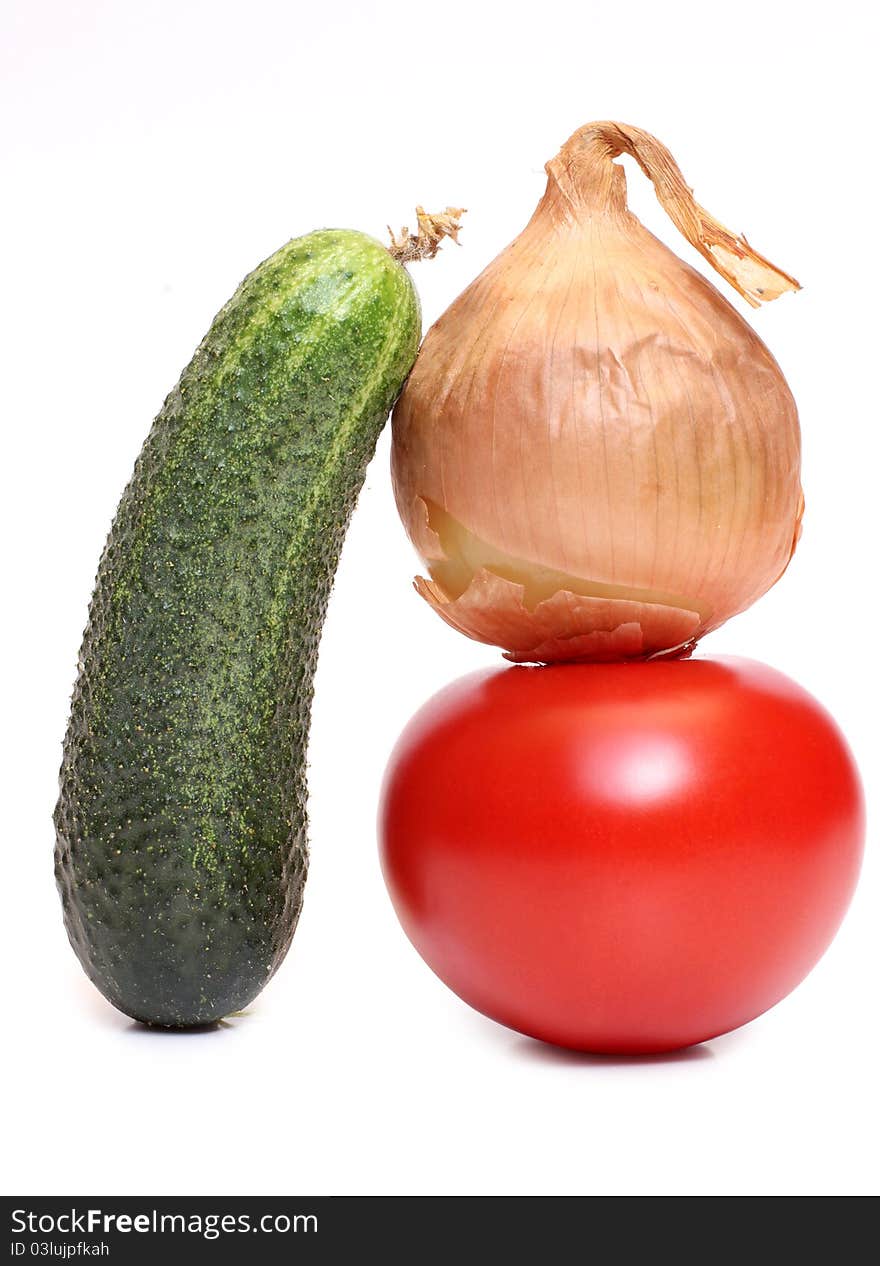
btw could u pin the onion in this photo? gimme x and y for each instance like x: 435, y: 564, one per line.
x: 595, y: 455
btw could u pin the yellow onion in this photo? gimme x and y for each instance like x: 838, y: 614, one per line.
x: 595, y: 455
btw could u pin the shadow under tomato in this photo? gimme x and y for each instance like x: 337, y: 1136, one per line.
x: 544, y: 1053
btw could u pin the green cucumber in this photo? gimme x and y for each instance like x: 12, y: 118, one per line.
x: 181, y: 822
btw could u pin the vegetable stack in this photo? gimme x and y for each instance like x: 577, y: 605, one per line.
x: 599, y: 460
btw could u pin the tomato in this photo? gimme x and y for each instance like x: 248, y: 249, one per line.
x: 622, y: 857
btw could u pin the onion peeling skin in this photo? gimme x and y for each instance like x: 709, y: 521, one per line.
x: 595, y: 455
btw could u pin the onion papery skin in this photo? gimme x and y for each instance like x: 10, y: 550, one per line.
x: 591, y: 412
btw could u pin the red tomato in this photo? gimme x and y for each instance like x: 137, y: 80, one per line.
x: 622, y: 857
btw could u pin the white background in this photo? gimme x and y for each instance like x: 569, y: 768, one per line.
x: 155, y: 153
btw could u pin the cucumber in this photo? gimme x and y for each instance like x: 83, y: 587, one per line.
x: 181, y: 821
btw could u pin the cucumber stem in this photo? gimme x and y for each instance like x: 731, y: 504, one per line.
x: 425, y: 243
